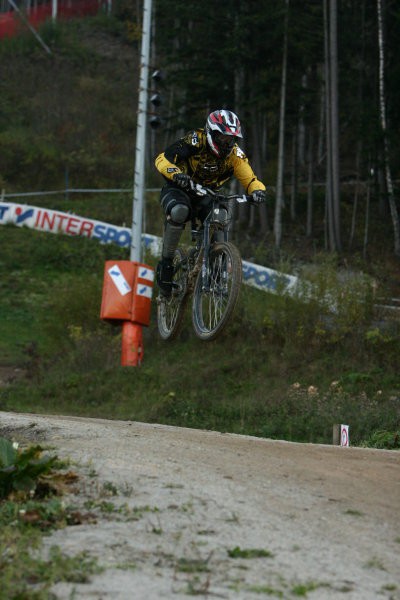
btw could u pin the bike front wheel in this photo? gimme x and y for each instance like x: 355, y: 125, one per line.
x: 214, y: 300
x: 171, y: 311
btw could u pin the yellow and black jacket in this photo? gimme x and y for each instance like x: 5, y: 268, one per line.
x: 191, y: 155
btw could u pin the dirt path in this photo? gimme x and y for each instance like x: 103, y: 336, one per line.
x: 194, y: 509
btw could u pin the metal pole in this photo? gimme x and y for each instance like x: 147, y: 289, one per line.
x: 32, y: 29
x: 139, y: 175
x: 54, y: 9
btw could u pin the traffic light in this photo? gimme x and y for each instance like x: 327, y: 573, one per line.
x: 156, y: 100
x: 155, y: 122
x: 157, y: 76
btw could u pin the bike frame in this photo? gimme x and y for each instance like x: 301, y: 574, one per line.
x: 208, y: 221
x: 214, y: 281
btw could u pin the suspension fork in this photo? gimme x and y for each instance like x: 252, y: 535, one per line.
x: 205, y: 267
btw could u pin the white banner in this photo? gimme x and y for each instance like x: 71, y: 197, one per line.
x: 52, y: 221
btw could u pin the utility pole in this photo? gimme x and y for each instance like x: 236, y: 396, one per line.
x: 139, y: 174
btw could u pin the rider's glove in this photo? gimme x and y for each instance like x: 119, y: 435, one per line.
x: 183, y: 180
x: 258, y: 196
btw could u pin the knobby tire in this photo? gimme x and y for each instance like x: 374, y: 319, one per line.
x: 171, y: 311
x: 212, y: 309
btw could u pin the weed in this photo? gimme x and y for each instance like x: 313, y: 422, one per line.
x: 266, y: 589
x: 193, y: 565
x: 107, y: 507
x: 354, y: 512
x: 383, y: 439
x: 44, y: 515
x: 28, y: 510
x: 375, y: 563
x: 197, y: 587
x: 390, y: 587
x: 21, y: 470
x: 21, y: 570
x: 126, y: 566
x: 302, y: 589
x: 157, y: 530
x: 238, y: 552
x: 234, y: 518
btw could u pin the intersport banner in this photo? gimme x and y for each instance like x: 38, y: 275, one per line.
x: 52, y: 221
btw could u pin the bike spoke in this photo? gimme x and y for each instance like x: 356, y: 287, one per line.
x: 170, y: 311
x: 213, y: 306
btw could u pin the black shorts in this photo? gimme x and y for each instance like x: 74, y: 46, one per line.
x: 199, y: 206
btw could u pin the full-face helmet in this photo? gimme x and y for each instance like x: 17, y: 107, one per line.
x: 222, y: 129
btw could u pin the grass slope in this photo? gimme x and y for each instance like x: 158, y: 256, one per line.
x: 282, y: 369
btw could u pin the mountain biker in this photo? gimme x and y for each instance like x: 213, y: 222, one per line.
x: 209, y: 157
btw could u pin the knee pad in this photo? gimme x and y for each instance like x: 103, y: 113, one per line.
x: 179, y: 213
x: 176, y: 205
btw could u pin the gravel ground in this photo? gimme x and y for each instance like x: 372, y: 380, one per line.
x: 188, y: 512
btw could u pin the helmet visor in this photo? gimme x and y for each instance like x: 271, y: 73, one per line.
x: 223, y: 142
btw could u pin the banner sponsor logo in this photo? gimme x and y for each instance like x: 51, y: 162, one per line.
x: 3, y: 209
x: 265, y: 278
x: 22, y: 215
x: 53, y: 221
x: 108, y: 234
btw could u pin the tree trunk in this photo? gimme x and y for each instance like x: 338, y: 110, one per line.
x: 356, y: 194
x: 329, y: 236
x: 240, y: 210
x: 332, y: 126
x: 382, y: 108
x: 293, y: 193
x: 310, y: 185
x: 366, y: 226
x: 335, y: 125
x: 322, y: 118
x: 279, y: 202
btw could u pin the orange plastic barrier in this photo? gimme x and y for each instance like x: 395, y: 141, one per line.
x: 127, y: 292
x: 132, y: 345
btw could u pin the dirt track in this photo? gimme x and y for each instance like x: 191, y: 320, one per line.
x: 328, y: 518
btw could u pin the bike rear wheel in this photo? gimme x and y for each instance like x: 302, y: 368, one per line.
x: 213, y: 307
x: 171, y: 311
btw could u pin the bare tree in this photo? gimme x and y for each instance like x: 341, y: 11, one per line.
x: 382, y: 110
x: 293, y: 193
x: 332, y: 125
x: 310, y: 185
x: 279, y: 202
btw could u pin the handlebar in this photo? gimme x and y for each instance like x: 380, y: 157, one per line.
x: 199, y: 190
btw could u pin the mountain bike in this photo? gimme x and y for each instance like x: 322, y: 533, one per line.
x: 210, y: 271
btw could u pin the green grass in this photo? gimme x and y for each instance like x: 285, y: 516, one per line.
x: 276, y: 372
x: 24, y: 575
x: 31, y: 508
x: 249, y: 553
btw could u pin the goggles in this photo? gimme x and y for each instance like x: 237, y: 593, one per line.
x: 223, y: 141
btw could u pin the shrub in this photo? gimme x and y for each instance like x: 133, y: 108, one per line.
x: 20, y: 470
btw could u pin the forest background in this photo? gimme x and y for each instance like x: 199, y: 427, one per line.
x: 316, y: 86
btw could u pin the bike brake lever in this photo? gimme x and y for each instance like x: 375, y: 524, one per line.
x: 242, y: 198
x: 199, y: 189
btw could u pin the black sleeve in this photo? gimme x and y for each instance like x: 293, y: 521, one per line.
x: 180, y: 151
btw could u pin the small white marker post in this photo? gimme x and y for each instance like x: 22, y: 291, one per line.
x: 341, y: 435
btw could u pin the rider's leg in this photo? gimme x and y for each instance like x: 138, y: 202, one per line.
x: 177, y: 208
